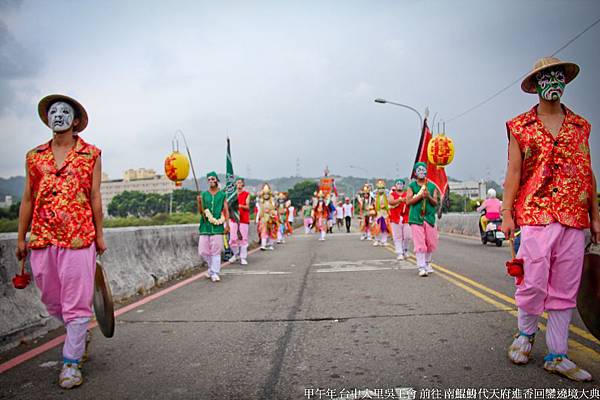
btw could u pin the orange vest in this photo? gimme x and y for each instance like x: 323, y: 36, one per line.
x: 556, y: 174
x: 62, y: 210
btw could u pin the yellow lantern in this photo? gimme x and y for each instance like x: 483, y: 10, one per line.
x: 440, y: 150
x: 177, y: 167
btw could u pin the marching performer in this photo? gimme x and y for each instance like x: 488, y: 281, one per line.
x: 62, y: 202
x: 550, y: 190
x: 307, y: 215
x: 282, y: 216
x: 320, y: 215
x: 291, y: 211
x: 214, y: 214
x: 267, y: 218
x: 399, y: 219
x: 239, y: 230
x: 382, y: 209
x: 423, y: 197
x: 365, y: 203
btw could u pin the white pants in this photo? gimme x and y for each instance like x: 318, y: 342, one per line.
x: 401, y: 234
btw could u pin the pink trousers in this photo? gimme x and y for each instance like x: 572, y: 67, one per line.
x: 553, y: 256
x: 401, y: 234
x: 425, y: 238
x: 234, y: 241
x: 65, y: 278
x: 210, y: 245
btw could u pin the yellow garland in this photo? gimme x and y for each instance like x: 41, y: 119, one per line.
x: 212, y: 219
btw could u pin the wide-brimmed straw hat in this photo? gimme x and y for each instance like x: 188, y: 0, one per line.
x: 529, y: 83
x: 80, y: 112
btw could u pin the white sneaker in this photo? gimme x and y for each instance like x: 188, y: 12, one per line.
x: 429, y: 268
x: 400, y: 257
x: 263, y: 248
x: 70, y: 376
x: 518, y: 351
x: 270, y: 248
x: 233, y: 259
x: 243, y: 261
x: 422, y: 272
x: 375, y: 243
x: 215, y: 278
x: 362, y: 237
x: 566, y: 368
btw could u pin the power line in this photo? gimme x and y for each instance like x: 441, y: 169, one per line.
x: 505, y: 88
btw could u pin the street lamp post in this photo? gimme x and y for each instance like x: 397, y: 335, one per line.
x: 384, y: 101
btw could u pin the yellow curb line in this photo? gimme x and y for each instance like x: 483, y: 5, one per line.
x: 446, y: 274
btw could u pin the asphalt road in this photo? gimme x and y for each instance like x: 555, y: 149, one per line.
x: 337, y: 315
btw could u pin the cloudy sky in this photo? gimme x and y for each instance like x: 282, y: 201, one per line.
x: 287, y: 80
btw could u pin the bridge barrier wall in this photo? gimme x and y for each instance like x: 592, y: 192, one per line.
x: 138, y: 259
x: 460, y: 223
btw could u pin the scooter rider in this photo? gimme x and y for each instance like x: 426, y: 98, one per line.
x: 492, y: 207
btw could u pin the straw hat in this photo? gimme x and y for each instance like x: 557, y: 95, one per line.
x: 80, y: 112
x: 529, y: 83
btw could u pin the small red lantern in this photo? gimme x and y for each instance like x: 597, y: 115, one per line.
x: 20, y: 281
x: 440, y: 150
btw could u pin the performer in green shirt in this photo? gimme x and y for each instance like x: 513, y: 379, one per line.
x: 214, y: 214
x: 422, y: 197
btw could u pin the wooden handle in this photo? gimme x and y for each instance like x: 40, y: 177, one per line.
x: 22, y: 265
x: 512, y: 247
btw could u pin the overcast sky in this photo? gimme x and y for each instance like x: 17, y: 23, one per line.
x: 286, y: 79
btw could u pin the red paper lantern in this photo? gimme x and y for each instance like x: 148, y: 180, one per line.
x: 440, y: 150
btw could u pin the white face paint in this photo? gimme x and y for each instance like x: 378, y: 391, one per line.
x: 60, y: 116
x: 421, y: 172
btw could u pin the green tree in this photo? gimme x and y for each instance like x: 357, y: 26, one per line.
x: 302, y: 191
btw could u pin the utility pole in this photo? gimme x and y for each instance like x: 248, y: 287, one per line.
x: 297, y: 167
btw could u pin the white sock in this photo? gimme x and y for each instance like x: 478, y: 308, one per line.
x: 243, y: 252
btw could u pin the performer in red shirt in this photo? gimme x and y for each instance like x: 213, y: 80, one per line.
x: 399, y: 219
x: 239, y: 241
x: 550, y: 190
x: 62, y: 203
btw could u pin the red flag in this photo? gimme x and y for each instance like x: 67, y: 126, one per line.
x: 435, y: 174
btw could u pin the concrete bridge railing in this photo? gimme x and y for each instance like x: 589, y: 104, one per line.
x: 138, y: 259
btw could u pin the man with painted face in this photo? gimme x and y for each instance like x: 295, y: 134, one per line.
x: 267, y: 218
x: 422, y: 197
x: 239, y: 229
x: 550, y: 190
x: 400, y: 227
x: 62, y: 203
x: 365, y: 202
x: 213, y: 225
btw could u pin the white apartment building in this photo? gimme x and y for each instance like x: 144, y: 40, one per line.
x: 473, y: 189
x: 8, y: 201
x: 144, y: 180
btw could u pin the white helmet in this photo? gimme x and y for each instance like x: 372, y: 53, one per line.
x: 491, y: 194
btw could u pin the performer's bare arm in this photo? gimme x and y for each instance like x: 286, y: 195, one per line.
x: 25, y: 214
x: 226, y: 215
x: 432, y: 199
x: 511, y: 186
x: 394, y: 202
x: 96, y: 200
x: 594, y: 214
x: 411, y: 198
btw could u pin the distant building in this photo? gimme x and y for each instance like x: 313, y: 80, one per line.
x: 8, y: 201
x: 472, y: 189
x: 141, y: 180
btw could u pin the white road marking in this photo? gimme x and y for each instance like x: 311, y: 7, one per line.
x: 49, y: 364
x: 363, y: 265
x: 241, y: 272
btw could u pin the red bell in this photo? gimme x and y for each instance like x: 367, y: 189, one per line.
x: 514, y: 268
x: 20, y: 281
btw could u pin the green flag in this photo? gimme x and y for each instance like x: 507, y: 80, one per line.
x: 230, y: 189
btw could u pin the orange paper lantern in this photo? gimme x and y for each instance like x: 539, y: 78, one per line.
x: 440, y: 150
x: 177, y: 167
